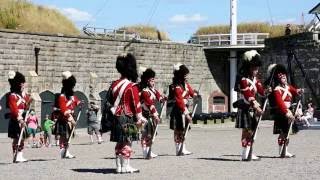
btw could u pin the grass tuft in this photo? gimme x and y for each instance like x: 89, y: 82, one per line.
x: 23, y: 15
x: 254, y: 27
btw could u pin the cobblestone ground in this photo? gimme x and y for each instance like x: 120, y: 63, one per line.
x: 216, y: 156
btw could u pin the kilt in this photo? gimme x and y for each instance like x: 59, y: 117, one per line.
x: 62, y: 128
x: 149, y: 128
x: 246, y: 119
x: 14, y: 129
x: 281, y: 125
x: 124, y: 130
x: 176, y: 121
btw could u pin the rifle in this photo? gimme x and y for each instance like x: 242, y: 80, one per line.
x: 186, y: 130
x: 254, y: 136
x: 283, y: 146
x: 188, y: 126
x: 20, y: 136
x: 155, y: 132
x: 71, y: 134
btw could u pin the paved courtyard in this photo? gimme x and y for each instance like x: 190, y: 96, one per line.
x: 216, y: 156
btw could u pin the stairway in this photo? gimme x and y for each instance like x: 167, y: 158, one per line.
x: 314, y: 25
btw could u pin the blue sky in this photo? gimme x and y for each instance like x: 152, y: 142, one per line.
x: 179, y: 18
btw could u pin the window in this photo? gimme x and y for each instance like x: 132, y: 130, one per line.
x: 218, y: 100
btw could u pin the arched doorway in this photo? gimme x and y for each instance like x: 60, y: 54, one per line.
x: 82, y: 123
x: 218, y: 102
x: 4, y: 114
x: 103, y: 95
x: 47, y: 103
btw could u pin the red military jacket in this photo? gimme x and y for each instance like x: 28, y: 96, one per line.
x: 17, y: 104
x: 182, y: 94
x: 283, y: 97
x: 149, y: 96
x: 126, y: 99
x: 249, y: 88
x: 67, y: 106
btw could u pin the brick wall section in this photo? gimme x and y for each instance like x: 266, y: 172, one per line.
x: 306, y: 47
x: 82, y: 55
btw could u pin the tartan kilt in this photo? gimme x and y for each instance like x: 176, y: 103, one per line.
x: 176, y: 121
x: 149, y: 128
x: 14, y: 130
x: 246, y: 119
x: 280, y: 125
x: 124, y: 129
x: 62, y: 128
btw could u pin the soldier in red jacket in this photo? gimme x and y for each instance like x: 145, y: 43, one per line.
x: 126, y: 108
x: 180, y: 92
x: 281, y: 98
x: 249, y: 108
x: 67, y: 103
x: 149, y: 97
x: 18, y: 102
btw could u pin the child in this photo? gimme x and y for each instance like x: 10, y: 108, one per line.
x: 93, y: 124
x: 47, y: 129
x: 33, y: 123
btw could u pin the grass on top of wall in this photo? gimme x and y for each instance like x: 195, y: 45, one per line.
x: 26, y: 16
x: 146, y: 32
x: 254, y: 27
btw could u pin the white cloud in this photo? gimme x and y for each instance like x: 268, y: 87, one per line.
x: 73, y: 14
x: 76, y: 15
x: 183, y: 18
x: 287, y: 21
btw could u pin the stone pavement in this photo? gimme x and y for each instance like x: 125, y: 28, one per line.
x: 216, y: 156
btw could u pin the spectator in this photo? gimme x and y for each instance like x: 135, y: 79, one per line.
x: 54, y: 116
x: 308, y: 115
x: 93, y: 124
x: 47, y: 128
x: 288, y: 30
x: 32, y: 125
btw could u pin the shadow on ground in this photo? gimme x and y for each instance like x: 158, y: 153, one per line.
x: 98, y: 171
x: 218, y: 159
x: 39, y: 160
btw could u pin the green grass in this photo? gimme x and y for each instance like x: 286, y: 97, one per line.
x: 254, y: 27
x: 146, y: 32
x: 23, y: 15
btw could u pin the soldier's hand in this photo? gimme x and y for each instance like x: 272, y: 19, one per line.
x: 22, y: 124
x: 259, y: 111
x: 141, y: 122
x: 164, y: 99
x: 156, y: 119
x: 290, y: 116
x: 73, y: 122
x: 188, y: 118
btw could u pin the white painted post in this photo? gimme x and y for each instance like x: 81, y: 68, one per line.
x: 233, y: 53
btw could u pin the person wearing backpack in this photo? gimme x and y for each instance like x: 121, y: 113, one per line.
x: 126, y: 108
x: 67, y: 103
